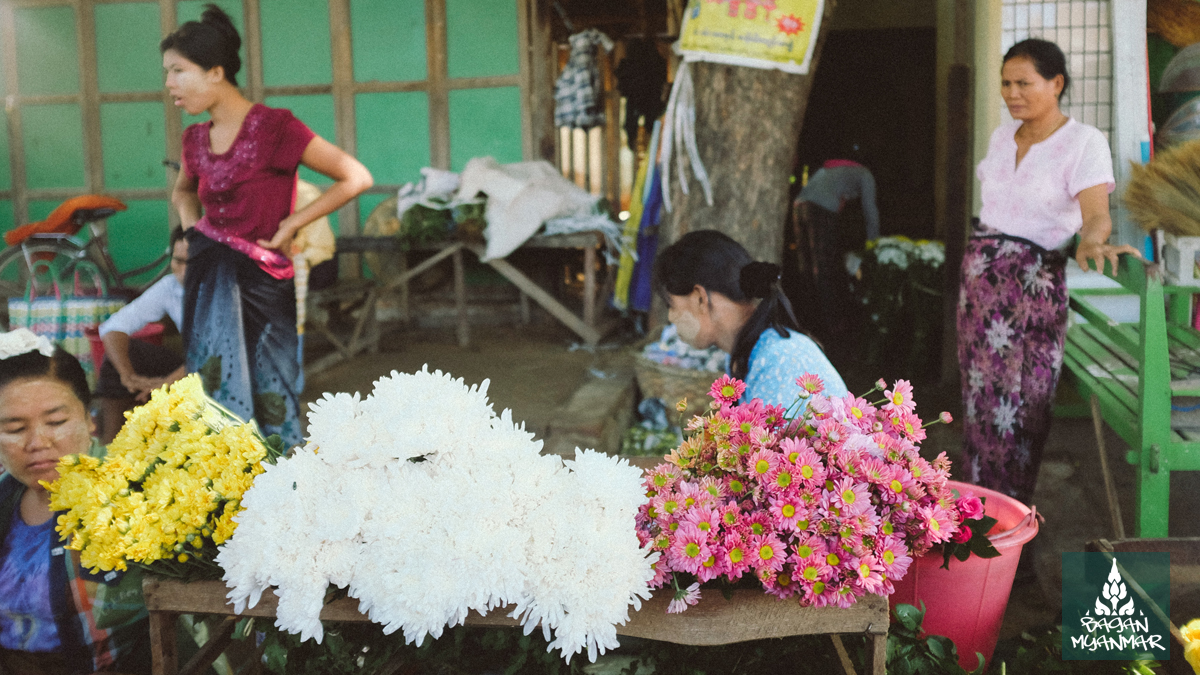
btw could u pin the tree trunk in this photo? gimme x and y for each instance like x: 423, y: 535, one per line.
x: 747, y: 126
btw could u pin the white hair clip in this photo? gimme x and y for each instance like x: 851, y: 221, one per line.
x: 22, y: 340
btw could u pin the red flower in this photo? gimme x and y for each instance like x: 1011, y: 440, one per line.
x: 789, y: 24
x: 962, y: 536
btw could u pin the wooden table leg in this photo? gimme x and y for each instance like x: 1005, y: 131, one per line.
x: 460, y: 299
x: 163, y: 645
x: 589, y: 286
x: 877, y: 653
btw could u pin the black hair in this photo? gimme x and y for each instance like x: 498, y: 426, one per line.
x: 174, y: 237
x: 715, y: 262
x: 210, y: 42
x: 61, y: 366
x: 1048, y: 60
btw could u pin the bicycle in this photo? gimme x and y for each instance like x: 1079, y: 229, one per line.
x: 64, y: 249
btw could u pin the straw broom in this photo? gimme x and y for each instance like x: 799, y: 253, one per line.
x: 1165, y: 194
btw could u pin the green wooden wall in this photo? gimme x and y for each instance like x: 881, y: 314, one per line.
x: 411, y: 96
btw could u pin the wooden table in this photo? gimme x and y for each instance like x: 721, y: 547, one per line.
x: 583, y: 325
x: 748, y: 615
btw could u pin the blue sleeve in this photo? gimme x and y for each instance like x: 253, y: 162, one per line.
x: 776, y: 362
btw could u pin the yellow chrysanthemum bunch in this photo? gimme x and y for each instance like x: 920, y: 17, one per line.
x: 1191, y: 643
x: 168, y: 489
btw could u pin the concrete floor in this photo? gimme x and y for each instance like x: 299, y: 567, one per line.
x: 570, y: 396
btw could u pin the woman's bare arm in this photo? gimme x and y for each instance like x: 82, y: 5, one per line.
x: 1097, y: 226
x: 184, y: 197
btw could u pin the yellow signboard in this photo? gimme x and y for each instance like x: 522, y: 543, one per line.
x: 756, y: 33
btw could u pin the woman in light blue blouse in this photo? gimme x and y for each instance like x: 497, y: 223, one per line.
x: 719, y: 296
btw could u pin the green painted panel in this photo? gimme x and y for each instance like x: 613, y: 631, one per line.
x: 393, y: 135
x: 38, y: 210
x: 388, y: 39
x: 127, y: 36
x: 317, y: 112
x: 138, y: 236
x: 134, y: 141
x: 53, y: 145
x: 190, y: 10
x: 295, y: 38
x: 481, y: 37
x: 47, y: 60
x: 5, y: 164
x: 485, y: 122
x: 7, y: 220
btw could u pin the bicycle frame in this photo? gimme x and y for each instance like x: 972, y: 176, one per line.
x: 95, y: 249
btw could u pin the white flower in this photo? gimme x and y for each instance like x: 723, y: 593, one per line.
x: 424, y: 504
x: 998, y: 333
x: 22, y: 340
x: 1004, y: 416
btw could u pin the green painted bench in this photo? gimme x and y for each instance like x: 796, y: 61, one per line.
x: 1142, y: 377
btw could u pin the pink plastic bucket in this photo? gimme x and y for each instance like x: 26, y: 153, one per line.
x: 966, y: 603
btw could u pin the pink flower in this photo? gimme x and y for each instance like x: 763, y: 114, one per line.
x: 662, y: 572
x: 734, y: 558
x: 970, y: 507
x: 689, y: 549
x: 900, y: 398
x: 809, y: 469
x: 787, y: 512
x: 773, y: 416
x: 894, y: 557
x: 909, y: 425
x: 767, y: 552
x: 705, y: 519
x: 781, y: 478
x: 684, y: 598
x: 880, y: 384
x: 850, y: 497
x: 868, y: 574
x: 945, y: 417
x: 938, y: 524
x: 820, y: 594
x: 782, y: 585
x: 761, y: 464
x: 899, y: 482
x: 962, y: 536
x: 727, y: 390
x: 809, y: 548
x: 809, y: 384
x: 711, y: 568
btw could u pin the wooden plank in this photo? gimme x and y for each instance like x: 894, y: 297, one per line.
x: 483, y: 81
x: 378, y: 87
x: 49, y: 99
x: 173, y: 120
x: 523, y: 73
x: 460, y: 299
x: 252, y: 37
x: 16, y: 146
x: 748, y: 615
x: 163, y: 645
x: 345, y: 125
x: 296, y: 90
x: 212, y: 649
x: 589, y: 286
x: 130, y: 96
x: 436, y: 74
x: 1101, y: 321
x: 548, y: 302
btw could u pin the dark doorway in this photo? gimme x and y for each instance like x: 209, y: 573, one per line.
x: 877, y: 88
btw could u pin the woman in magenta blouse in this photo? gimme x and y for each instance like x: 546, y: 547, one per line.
x: 235, y: 194
x: 1046, y: 178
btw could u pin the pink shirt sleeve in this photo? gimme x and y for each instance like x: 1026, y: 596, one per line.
x: 294, y: 137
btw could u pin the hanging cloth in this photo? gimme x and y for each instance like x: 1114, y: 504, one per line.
x: 641, y: 76
x: 641, y: 290
x: 633, y: 224
x: 579, y: 92
x: 679, y: 137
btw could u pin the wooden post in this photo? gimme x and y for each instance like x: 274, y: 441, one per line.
x: 16, y: 147
x: 436, y: 75
x: 163, y: 644
x: 589, y: 286
x: 254, y: 53
x: 958, y: 198
x: 346, y: 130
x: 460, y: 299
x: 89, y: 104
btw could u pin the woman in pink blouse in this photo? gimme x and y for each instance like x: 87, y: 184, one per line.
x: 235, y: 194
x: 1046, y: 178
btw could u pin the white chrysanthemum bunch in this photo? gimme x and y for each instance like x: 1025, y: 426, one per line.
x: 425, y: 504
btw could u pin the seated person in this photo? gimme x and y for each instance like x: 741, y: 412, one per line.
x: 46, y: 598
x: 718, y: 295
x: 133, y: 368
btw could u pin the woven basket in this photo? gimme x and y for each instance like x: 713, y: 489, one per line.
x: 671, y: 383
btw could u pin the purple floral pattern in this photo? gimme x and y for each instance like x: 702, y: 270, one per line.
x: 1012, y: 320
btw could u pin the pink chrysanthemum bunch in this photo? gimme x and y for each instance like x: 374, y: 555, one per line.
x: 823, y: 506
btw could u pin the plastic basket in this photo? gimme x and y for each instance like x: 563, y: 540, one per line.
x: 672, y: 383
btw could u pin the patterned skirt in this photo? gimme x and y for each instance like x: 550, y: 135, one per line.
x: 1012, y: 320
x: 239, y: 332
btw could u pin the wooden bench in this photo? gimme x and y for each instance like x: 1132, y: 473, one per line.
x: 748, y: 615
x: 1141, y: 377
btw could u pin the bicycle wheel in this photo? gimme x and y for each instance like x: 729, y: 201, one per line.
x: 14, y: 269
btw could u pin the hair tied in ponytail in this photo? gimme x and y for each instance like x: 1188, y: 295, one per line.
x: 758, y: 279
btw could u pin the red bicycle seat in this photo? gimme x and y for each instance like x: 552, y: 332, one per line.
x: 63, y: 220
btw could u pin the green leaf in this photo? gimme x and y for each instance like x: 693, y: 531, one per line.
x: 210, y: 375
x: 275, y: 656
x: 270, y: 408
